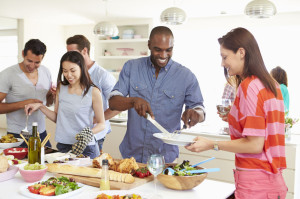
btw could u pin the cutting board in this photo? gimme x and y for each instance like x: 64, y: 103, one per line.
x: 95, y: 182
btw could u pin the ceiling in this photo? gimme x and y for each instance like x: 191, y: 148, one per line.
x: 71, y: 12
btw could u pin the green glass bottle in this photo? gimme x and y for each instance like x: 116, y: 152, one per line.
x: 34, y: 146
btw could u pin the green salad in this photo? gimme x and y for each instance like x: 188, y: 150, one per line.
x: 62, y: 184
x: 184, y: 165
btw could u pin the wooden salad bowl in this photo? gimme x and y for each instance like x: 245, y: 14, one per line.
x: 181, y: 182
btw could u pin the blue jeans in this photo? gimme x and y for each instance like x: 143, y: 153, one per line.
x: 100, y: 144
x: 42, y: 137
x: 90, y: 150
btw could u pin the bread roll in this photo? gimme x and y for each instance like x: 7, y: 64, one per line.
x: 3, y: 164
x: 97, y: 161
x: 89, y: 172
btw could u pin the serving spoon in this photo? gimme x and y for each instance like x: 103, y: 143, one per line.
x: 172, y: 171
x: 25, y: 131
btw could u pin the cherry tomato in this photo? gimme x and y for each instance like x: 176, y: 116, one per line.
x: 35, y: 188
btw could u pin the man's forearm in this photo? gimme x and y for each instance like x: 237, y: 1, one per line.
x: 11, y: 107
x: 120, y: 103
x: 108, y: 114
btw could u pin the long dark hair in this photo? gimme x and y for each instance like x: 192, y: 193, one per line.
x: 76, y: 58
x: 254, y: 64
x: 279, y: 75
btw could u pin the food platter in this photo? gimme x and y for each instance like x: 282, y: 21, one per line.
x: 179, y: 139
x: 118, y: 192
x: 11, y: 145
x: 24, y: 191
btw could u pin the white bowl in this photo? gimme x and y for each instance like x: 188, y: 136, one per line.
x: 50, y: 158
x: 11, y: 145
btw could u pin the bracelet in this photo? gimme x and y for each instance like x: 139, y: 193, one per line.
x: 216, y: 146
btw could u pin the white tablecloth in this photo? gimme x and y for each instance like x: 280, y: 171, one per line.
x: 208, y: 189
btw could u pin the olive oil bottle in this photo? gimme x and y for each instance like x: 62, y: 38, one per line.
x: 34, y: 146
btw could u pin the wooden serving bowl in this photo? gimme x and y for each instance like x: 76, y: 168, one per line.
x: 181, y: 182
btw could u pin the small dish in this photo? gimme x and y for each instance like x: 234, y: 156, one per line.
x: 32, y: 175
x: 19, y: 153
x: 9, y: 174
x: 50, y: 158
x: 179, y: 139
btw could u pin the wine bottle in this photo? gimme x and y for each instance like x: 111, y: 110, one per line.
x: 104, y: 182
x: 34, y: 146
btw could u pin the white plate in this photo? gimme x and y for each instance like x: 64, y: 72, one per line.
x: 180, y: 139
x: 119, y: 192
x: 56, y: 156
x: 11, y: 145
x: 9, y: 174
x: 24, y: 191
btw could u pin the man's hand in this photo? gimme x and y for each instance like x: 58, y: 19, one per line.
x: 191, y: 117
x: 142, y: 107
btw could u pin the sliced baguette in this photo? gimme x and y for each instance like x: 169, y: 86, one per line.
x: 89, y: 172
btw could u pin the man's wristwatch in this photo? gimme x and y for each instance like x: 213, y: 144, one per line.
x: 216, y: 146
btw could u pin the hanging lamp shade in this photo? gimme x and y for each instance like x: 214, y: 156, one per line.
x: 106, y: 29
x: 173, y: 16
x: 260, y: 9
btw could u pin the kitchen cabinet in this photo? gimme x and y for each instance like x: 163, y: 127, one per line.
x: 112, y: 54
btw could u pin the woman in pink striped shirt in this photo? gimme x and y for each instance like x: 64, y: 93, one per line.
x: 256, y: 121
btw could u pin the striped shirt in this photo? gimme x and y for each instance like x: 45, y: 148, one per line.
x: 257, y: 112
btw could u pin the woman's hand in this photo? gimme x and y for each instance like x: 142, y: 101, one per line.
x: 201, y: 144
x: 30, y: 108
x: 224, y: 117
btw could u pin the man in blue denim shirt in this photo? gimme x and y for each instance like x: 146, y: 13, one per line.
x: 159, y: 86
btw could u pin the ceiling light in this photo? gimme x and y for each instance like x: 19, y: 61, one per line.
x: 260, y: 9
x: 173, y: 16
x: 105, y: 28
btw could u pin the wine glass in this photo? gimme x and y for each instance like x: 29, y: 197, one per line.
x: 156, y: 164
x: 223, y: 108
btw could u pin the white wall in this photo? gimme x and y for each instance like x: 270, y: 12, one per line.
x: 196, y: 47
x: 52, y: 36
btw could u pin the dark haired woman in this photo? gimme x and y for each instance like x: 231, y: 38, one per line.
x: 76, y: 99
x: 256, y: 121
x: 281, y: 77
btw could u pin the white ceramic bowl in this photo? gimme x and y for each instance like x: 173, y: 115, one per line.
x: 11, y: 145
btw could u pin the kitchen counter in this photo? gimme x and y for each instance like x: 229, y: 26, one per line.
x: 207, y: 189
x: 224, y: 160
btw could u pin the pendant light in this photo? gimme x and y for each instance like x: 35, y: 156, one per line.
x: 173, y: 16
x: 106, y: 28
x: 260, y: 9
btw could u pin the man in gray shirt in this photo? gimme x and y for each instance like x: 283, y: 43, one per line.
x: 25, y: 83
x: 100, y: 77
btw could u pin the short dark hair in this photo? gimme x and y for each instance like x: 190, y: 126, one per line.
x: 160, y: 30
x: 76, y: 58
x: 81, y: 41
x: 279, y: 75
x: 35, y: 46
